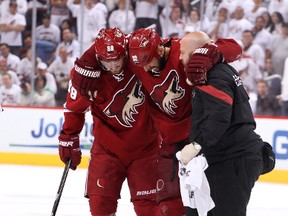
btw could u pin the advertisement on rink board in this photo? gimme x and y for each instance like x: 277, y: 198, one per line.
x: 29, y: 136
x: 275, y: 131
x: 34, y: 131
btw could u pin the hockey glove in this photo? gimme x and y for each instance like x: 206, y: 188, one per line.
x: 230, y: 49
x: 189, y: 152
x: 200, y: 63
x: 69, y: 148
x: 85, y: 80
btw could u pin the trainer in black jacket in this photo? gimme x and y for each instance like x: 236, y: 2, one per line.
x: 223, y: 125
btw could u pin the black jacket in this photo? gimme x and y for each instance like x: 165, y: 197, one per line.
x: 222, y: 119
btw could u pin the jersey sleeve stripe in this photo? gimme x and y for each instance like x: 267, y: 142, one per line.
x: 216, y: 93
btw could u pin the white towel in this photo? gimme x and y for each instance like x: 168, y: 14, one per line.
x: 194, y: 187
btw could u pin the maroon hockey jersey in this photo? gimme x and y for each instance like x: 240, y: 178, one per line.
x: 171, y: 95
x: 121, y: 114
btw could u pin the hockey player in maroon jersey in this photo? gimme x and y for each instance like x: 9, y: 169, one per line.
x: 165, y: 80
x: 126, y: 140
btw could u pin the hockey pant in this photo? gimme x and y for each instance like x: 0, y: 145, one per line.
x: 106, y: 174
x: 168, y: 188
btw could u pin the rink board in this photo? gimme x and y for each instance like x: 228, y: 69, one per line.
x: 29, y: 136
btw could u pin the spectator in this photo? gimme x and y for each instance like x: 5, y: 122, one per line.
x: 22, y: 6
x: 267, y: 104
x: 101, y: 7
x: 59, y: 11
x: 267, y: 20
x: 219, y: 27
x: 256, y: 11
x: 42, y: 10
x: 172, y: 25
x: 71, y: 25
x: 27, y: 44
x: 111, y: 5
x: 119, y: 19
x: 72, y: 45
x: 252, y: 99
x: 12, y: 24
x: 47, y: 38
x: 60, y: 68
x: 262, y: 37
x: 5, y: 69
x: 279, y: 49
x: 273, y: 80
x: 42, y: 96
x: 25, y: 98
x: 25, y: 68
x: 194, y: 22
x: 277, y: 21
x: 279, y: 6
x: 146, y: 12
x: 10, y: 92
x: 238, y: 24
x: 94, y: 20
x: 11, y: 59
x: 249, y: 72
x: 212, y: 8
x: 247, y: 5
x: 253, y: 50
x: 186, y: 7
x: 284, y: 90
x: 50, y: 80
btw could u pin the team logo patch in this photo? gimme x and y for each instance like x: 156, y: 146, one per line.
x: 125, y: 102
x: 160, y: 185
x: 101, y: 182
x: 166, y: 93
x: 237, y: 80
x: 144, y: 42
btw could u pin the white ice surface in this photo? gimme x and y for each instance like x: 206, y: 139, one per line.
x: 31, y: 191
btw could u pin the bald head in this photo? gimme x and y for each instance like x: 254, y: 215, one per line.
x: 195, y: 40
x: 190, y: 42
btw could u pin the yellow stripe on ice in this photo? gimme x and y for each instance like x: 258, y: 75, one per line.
x: 36, y: 159
x: 276, y: 176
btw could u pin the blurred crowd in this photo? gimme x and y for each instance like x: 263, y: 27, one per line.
x: 66, y: 28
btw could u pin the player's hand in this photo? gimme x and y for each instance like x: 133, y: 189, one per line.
x: 69, y: 148
x: 85, y: 80
x: 200, y: 63
x: 230, y: 49
x: 189, y: 152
